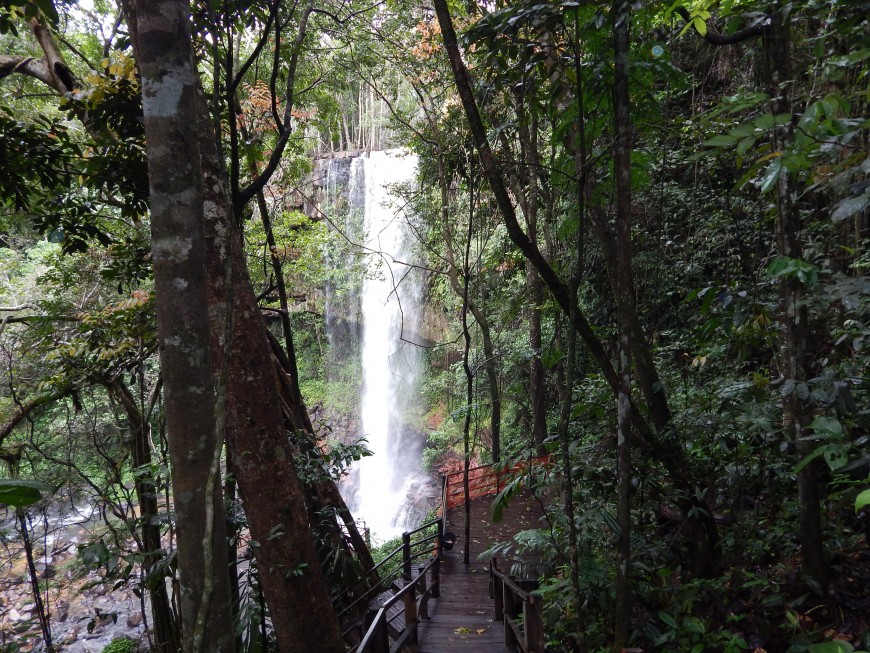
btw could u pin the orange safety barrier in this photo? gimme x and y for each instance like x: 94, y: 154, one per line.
x: 483, y: 481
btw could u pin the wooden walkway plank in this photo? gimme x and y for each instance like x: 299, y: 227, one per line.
x: 463, y: 618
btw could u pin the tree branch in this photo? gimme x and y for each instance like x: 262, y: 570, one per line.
x: 29, y: 66
x: 716, y: 38
x: 245, y: 195
x: 27, y: 407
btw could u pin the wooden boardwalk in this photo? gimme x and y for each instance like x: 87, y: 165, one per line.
x: 462, y: 619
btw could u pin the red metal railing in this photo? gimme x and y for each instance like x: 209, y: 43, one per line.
x: 483, y: 481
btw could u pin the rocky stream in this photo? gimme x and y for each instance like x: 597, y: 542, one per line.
x: 85, y: 613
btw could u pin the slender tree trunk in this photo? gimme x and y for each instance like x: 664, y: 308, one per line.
x: 530, y: 196
x: 625, y: 310
x: 161, y: 36
x: 565, y: 447
x: 795, y: 332
x: 166, y: 634
x: 41, y: 612
x: 537, y: 386
x: 469, y: 382
x: 490, y: 364
x: 704, y: 540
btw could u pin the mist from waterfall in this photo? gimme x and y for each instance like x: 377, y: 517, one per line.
x: 381, y: 490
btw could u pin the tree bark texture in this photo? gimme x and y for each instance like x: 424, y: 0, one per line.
x: 260, y: 454
x: 162, y: 39
x: 794, y: 328
x: 625, y: 311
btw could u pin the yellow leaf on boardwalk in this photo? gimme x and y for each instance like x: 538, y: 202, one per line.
x: 462, y: 630
x: 481, y: 631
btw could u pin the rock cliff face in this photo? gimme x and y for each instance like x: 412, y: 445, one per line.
x: 330, y: 173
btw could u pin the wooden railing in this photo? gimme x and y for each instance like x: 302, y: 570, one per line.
x: 414, y: 596
x: 514, y: 599
x: 483, y: 481
x: 413, y: 592
x: 369, y: 622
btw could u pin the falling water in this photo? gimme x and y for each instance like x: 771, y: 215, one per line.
x: 390, y: 307
x: 373, y: 325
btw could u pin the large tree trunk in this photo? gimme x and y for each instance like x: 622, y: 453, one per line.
x: 260, y: 453
x: 163, y: 47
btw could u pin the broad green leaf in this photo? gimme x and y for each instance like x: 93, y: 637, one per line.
x: 863, y: 499
x: 836, y: 456
x: 94, y: 555
x: 827, y: 426
x: 743, y: 130
x: 19, y: 493
x: 778, y: 266
x: 765, y: 122
x: 771, y: 175
x: 668, y: 620
x: 836, y: 646
x: 745, y: 144
x: 504, y: 497
x: 815, y: 454
x: 848, y: 207
x: 722, y: 140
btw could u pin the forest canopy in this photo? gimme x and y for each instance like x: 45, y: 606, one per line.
x: 642, y: 231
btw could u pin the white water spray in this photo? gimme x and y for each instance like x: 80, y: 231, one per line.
x: 390, y: 307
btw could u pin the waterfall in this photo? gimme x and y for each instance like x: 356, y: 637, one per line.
x: 372, y: 326
x: 391, y: 362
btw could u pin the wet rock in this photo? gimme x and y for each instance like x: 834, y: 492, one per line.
x: 21, y: 627
x: 62, y: 608
x: 71, y: 637
x: 46, y: 570
x: 103, y: 619
x: 135, y: 620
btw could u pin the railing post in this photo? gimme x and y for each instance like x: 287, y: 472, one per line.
x: 424, y: 606
x: 497, y: 590
x: 509, y: 612
x: 410, y: 601
x: 533, y: 624
x: 380, y: 641
x: 436, y: 567
x: 406, y: 556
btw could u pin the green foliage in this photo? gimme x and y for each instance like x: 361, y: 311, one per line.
x: 20, y: 493
x: 834, y: 646
x: 121, y: 645
x: 13, y: 11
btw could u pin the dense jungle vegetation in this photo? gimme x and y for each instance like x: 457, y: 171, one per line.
x: 645, y: 230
